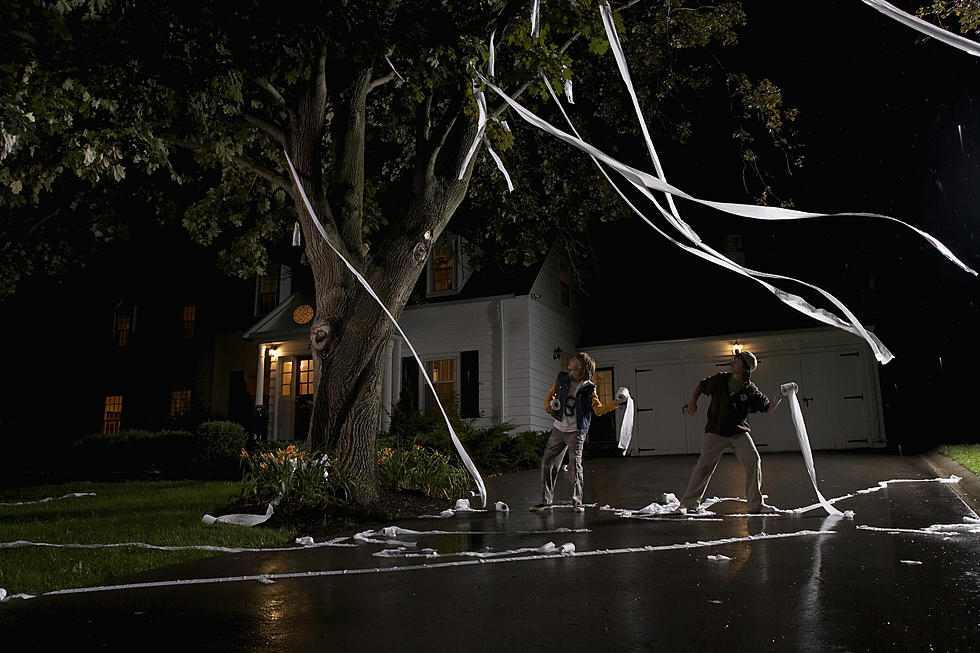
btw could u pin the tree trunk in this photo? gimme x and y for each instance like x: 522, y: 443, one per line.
x: 350, y: 331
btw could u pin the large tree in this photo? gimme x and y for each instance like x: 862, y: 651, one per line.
x: 373, y: 100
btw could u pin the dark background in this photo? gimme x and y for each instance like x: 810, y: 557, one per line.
x: 882, y: 113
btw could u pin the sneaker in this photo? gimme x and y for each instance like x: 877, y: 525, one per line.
x: 764, y: 509
x: 578, y: 508
x: 541, y: 507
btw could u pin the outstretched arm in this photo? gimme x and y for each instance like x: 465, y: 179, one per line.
x: 775, y: 401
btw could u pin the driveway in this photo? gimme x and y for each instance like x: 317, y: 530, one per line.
x: 877, y: 580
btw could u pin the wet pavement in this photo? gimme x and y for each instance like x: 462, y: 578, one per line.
x: 632, y: 584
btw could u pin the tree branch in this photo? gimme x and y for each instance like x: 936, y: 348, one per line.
x: 348, y: 166
x: 381, y: 81
x: 239, y: 161
x: 272, y: 130
x: 266, y: 86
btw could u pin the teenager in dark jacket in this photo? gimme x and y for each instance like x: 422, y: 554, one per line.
x: 572, y: 401
x: 733, y: 397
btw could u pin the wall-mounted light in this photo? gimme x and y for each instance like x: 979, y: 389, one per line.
x: 736, y: 348
x: 273, y: 351
x: 555, y: 355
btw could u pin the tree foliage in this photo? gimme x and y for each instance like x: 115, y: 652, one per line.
x: 111, y: 110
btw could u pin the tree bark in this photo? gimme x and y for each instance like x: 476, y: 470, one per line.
x: 349, y: 332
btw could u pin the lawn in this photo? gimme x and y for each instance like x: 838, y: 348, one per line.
x: 967, y: 455
x: 160, y: 513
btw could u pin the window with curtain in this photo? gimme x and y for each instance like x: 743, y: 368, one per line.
x: 443, y: 375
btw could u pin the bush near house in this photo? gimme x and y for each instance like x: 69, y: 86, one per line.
x: 424, y: 470
x: 493, y: 449
x: 209, y: 451
x: 216, y: 447
x: 292, y: 478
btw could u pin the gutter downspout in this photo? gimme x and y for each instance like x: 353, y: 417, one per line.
x: 503, y: 381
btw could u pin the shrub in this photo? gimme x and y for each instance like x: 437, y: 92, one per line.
x: 216, y: 448
x: 132, y: 454
x: 428, y: 471
x: 293, y: 478
x: 493, y: 449
x: 526, y: 449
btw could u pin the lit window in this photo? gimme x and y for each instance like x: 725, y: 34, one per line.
x: 180, y: 402
x: 443, y: 374
x: 564, y: 281
x: 287, y: 378
x: 123, y: 323
x: 305, y: 376
x: 188, y: 316
x: 112, y: 418
x: 443, y: 268
x: 604, y: 385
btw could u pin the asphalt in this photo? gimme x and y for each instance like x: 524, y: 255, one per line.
x: 631, y: 584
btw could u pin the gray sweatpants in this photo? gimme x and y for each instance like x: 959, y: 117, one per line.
x: 554, y: 451
x: 712, y: 448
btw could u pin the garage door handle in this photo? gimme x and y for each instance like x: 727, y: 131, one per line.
x: 806, y: 401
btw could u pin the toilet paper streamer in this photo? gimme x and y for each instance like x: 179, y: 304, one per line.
x: 789, y: 390
x: 467, y: 461
x: 626, y: 429
x: 240, y: 519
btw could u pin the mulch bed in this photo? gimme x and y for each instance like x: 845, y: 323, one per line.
x: 322, y: 524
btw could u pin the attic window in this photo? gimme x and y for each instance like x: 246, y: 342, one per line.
x: 266, y: 293
x: 444, y: 267
x: 123, y: 324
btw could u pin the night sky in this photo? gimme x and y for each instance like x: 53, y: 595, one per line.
x: 883, y: 110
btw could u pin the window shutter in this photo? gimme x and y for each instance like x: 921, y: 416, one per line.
x: 410, y: 384
x: 469, y: 395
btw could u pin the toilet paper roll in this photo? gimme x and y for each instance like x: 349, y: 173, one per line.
x: 626, y: 428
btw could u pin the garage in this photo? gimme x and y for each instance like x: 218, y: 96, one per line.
x: 836, y: 372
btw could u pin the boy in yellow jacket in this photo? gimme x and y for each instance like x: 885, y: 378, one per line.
x: 572, y: 401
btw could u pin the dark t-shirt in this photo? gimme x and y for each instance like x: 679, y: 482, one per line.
x: 728, y: 410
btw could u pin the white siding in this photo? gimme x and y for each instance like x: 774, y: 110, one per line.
x: 834, y: 369
x: 548, y: 329
x: 445, y: 330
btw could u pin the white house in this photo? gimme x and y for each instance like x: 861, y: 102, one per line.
x: 492, y: 347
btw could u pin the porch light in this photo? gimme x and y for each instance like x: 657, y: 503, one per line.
x: 736, y: 348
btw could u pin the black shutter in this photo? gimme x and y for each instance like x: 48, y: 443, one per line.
x: 408, y: 399
x: 469, y: 388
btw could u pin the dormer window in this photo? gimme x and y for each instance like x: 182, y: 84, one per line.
x: 123, y: 323
x: 266, y: 293
x: 188, y: 316
x: 444, y: 267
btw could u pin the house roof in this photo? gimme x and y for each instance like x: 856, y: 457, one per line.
x: 279, y: 324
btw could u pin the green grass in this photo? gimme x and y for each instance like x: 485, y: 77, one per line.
x: 967, y: 455
x: 160, y: 513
